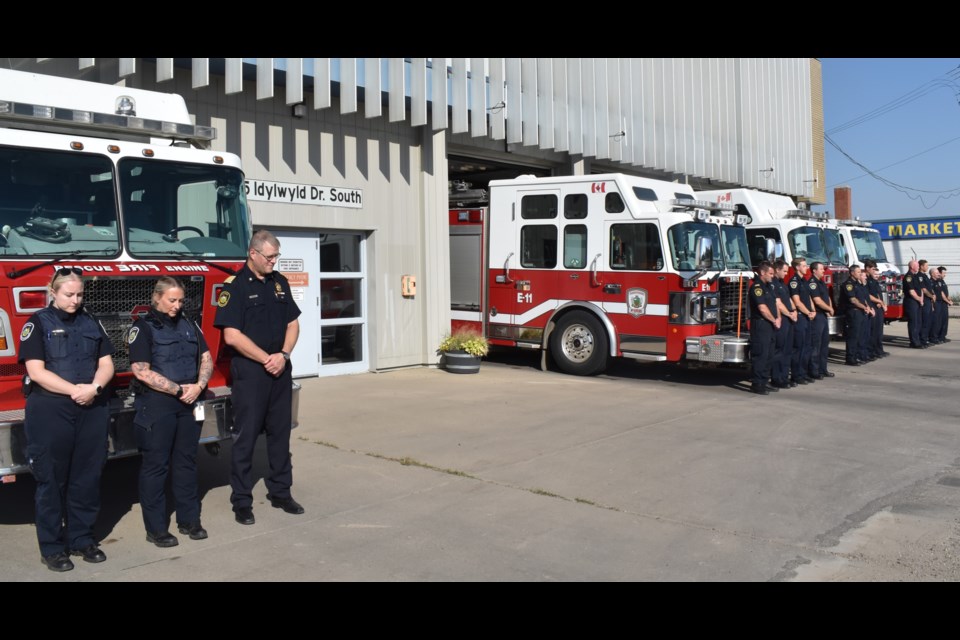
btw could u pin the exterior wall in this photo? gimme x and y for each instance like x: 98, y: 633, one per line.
x: 936, y: 240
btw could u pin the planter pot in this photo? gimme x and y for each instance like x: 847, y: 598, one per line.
x: 461, y: 362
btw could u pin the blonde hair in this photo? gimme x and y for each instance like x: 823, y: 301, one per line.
x: 59, y: 278
x: 163, y: 285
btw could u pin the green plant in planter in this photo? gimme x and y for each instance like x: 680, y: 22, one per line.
x: 465, y: 340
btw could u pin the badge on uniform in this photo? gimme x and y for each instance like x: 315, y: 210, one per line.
x: 223, y: 299
x: 813, y: 285
x: 757, y: 291
x: 793, y: 284
x: 849, y: 287
x: 27, y: 331
x: 134, y: 332
x: 909, y: 278
x: 280, y: 292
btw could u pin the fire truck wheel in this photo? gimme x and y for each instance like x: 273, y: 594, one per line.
x: 579, y: 344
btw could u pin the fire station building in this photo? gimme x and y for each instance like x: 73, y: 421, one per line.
x: 351, y: 162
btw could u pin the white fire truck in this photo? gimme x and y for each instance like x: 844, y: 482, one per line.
x: 862, y: 242
x: 802, y: 234
x: 119, y: 183
x: 590, y: 267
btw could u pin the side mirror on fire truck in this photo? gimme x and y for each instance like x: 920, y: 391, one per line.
x: 770, y: 250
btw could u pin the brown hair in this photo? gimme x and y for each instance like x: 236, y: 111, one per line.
x: 163, y: 285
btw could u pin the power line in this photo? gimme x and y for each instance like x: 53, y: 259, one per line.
x: 952, y: 193
x: 948, y: 80
x: 916, y: 155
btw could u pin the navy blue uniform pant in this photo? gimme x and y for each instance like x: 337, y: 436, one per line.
x: 944, y: 320
x: 169, y: 444
x: 761, y: 351
x: 260, y: 403
x: 800, y: 358
x: 936, y: 320
x: 876, y: 334
x: 853, y: 328
x: 67, y: 448
x: 912, y: 310
x: 819, y: 344
x: 782, y: 350
x: 866, y: 335
x: 926, y: 320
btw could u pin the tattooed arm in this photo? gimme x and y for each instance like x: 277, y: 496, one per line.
x: 152, y: 379
x: 206, y: 370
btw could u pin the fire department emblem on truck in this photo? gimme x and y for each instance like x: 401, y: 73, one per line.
x: 636, y: 302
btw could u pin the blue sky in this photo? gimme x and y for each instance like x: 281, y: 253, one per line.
x: 926, y: 95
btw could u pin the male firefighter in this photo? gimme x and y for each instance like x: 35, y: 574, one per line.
x: 944, y: 308
x: 806, y: 312
x: 820, y: 334
x: 783, y: 339
x: 926, y: 312
x: 875, y: 292
x: 913, y: 303
x: 854, y: 311
x: 764, y: 321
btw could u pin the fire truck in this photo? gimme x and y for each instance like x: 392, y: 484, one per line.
x: 119, y: 183
x: 862, y: 243
x: 801, y: 233
x: 586, y: 268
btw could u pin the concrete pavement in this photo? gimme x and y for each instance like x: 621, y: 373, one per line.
x: 649, y: 472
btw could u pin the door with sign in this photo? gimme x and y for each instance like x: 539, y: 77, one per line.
x: 300, y: 253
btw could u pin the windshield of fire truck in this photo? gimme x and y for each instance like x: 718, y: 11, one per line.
x: 868, y: 245
x: 806, y: 242
x: 56, y: 203
x: 836, y: 254
x: 174, y: 208
x: 683, y: 245
x: 735, y: 249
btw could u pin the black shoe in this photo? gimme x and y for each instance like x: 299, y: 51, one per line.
x: 772, y: 388
x: 162, y: 539
x: 194, y: 530
x: 759, y: 390
x: 244, y: 515
x: 828, y: 374
x: 90, y: 553
x: 791, y: 384
x: 946, y: 340
x: 797, y: 381
x: 289, y: 505
x: 58, y: 562
x: 916, y: 346
x: 818, y: 377
x: 853, y: 363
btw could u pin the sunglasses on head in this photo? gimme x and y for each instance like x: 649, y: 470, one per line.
x: 65, y: 271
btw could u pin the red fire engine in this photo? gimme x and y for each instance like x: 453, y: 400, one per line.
x: 586, y: 268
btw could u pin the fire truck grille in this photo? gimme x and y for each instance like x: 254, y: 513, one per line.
x: 12, y: 370
x: 732, y: 293
x: 117, y: 302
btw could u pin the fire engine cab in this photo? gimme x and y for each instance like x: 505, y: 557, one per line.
x: 586, y: 268
x: 863, y: 243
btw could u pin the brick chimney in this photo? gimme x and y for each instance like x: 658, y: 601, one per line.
x: 842, y: 203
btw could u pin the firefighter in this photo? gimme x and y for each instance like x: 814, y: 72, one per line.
x: 806, y: 312
x: 913, y: 303
x: 936, y: 285
x: 854, y: 311
x: 259, y: 320
x: 863, y: 294
x: 926, y: 312
x: 945, y: 307
x: 783, y: 339
x: 169, y: 356
x: 67, y: 355
x: 875, y: 293
x: 764, y: 321
x: 820, y: 331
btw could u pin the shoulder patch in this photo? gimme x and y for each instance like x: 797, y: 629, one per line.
x: 849, y: 287
x: 793, y: 284
x: 27, y: 331
x: 758, y: 291
x: 909, y: 278
x: 229, y: 279
x: 813, y: 285
x: 224, y: 299
x: 132, y: 335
